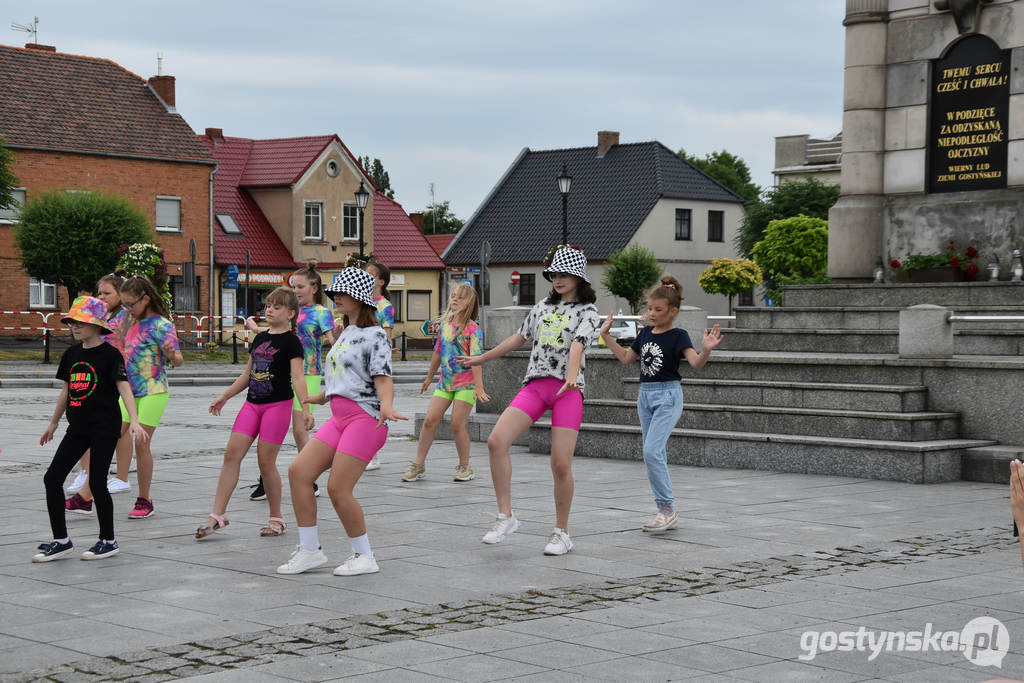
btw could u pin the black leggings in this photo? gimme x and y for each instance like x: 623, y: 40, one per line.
x: 71, y: 449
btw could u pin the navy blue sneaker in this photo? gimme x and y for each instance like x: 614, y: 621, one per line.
x: 101, y: 550
x: 53, y: 550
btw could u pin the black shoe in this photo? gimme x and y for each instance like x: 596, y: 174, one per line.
x: 101, y: 550
x: 316, y: 490
x: 258, y: 492
x: 52, y: 551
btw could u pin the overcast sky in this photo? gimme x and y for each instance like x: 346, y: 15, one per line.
x: 449, y: 92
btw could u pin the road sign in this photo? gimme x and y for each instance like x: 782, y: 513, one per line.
x: 431, y: 328
x: 473, y: 269
x: 515, y: 276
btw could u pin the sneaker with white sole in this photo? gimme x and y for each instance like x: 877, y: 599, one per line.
x: 414, y: 472
x: 374, y: 463
x: 661, y: 522
x: 464, y: 473
x: 54, y: 550
x: 100, y: 551
x: 257, y: 491
x: 115, y: 485
x: 357, y: 564
x: 303, y: 560
x: 559, y: 543
x: 78, y: 483
x: 504, y: 525
x: 78, y: 505
x: 143, y: 508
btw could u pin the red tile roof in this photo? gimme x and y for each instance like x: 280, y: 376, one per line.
x: 258, y: 237
x: 396, y: 240
x: 439, y: 242
x: 52, y: 100
x: 282, y: 161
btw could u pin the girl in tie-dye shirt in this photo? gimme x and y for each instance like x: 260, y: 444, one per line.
x: 457, y: 386
x: 150, y: 341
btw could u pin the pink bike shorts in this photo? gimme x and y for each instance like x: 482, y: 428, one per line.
x: 269, y: 421
x: 539, y: 395
x: 352, y: 430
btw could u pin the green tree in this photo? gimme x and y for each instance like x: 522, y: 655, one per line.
x: 7, y: 179
x: 730, y: 277
x: 379, y: 176
x: 72, y: 239
x: 629, y: 273
x: 809, y: 198
x: 438, y: 219
x: 728, y: 169
x: 795, y: 247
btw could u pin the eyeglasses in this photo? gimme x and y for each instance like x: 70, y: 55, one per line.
x: 76, y: 323
x: 129, y: 304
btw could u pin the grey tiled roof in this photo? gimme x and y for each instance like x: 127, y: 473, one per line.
x: 609, y: 199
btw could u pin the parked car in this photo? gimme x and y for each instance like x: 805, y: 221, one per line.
x: 622, y: 331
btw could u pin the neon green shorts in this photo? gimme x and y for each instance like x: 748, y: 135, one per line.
x: 312, y: 389
x: 464, y: 395
x: 149, y: 408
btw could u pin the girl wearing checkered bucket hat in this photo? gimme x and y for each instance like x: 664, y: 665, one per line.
x: 357, y: 379
x: 560, y: 327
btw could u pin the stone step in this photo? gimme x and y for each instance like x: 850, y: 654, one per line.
x: 851, y: 424
x: 975, y: 341
x: 860, y: 318
x: 835, y: 396
x: 901, y: 295
x: 990, y: 464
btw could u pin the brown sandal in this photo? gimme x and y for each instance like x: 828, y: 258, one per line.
x: 220, y: 521
x: 274, y: 527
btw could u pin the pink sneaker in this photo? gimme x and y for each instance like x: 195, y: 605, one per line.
x: 78, y: 504
x: 143, y: 508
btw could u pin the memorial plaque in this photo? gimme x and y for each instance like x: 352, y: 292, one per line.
x: 970, y: 101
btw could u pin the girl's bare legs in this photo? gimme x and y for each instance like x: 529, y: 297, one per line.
x: 124, y: 453
x: 238, y: 446
x: 345, y: 472
x: 510, y: 425
x: 460, y: 413
x: 144, y: 461
x: 311, y: 462
x: 435, y: 412
x: 563, y: 444
x: 299, y: 431
x: 85, y: 492
x: 266, y: 456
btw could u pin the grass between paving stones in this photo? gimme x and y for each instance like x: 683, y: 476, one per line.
x: 248, y: 650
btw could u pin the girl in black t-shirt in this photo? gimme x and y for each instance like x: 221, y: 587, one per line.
x: 94, y: 376
x: 274, y: 367
x: 659, y: 348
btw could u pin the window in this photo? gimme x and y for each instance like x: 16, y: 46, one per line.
x: 419, y: 306
x: 716, y: 232
x: 314, y: 221
x: 527, y: 289
x: 227, y: 224
x: 349, y: 222
x: 168, y: 214
x: 10, y: 215
x: 41, y: 294
x: 746, y: 298
x: 683, y: 217
x: 396, y: 303
x: 183, y: 297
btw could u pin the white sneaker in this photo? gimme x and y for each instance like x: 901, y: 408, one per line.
x: 559, y: 543
x: 374, y: 463
x: 79, y: 482
x: 357, y: 564
x: 115, y: 485
x: 303, y: 560
x: 503, y: 526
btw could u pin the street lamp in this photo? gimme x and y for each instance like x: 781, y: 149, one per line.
x: 362, y: 195
x: 564, y: 184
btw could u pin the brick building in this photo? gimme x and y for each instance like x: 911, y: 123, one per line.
x: 81, y: 123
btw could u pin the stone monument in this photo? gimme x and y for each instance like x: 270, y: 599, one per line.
x: 933, y: 132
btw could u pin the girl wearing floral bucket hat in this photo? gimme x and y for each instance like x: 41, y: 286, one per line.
x: 560, y: 327
x: 357, y: 380
x: 94, y: 377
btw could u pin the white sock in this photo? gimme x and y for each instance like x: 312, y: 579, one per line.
x: 309, y: 538
x: 361, y: 545
x: 62, y: 540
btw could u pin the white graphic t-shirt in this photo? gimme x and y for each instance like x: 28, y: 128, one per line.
x: 360, y: 354
x: 553, y: 328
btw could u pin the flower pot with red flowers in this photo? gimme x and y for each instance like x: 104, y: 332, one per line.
x: 949, y: 265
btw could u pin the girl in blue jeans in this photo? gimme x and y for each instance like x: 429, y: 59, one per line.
x: 659, y: 348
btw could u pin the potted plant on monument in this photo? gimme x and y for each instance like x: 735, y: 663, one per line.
x: 948, y: 265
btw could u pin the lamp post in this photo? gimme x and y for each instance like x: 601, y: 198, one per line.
x: 564, y: 185
x: 362, y: 195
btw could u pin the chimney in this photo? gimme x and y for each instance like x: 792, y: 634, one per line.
x: 606, y: 139
x: 40, y: 48
x: 215, y: 134
x: 163, y: 86
x: 417, y: 220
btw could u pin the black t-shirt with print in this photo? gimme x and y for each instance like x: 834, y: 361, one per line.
x: 270, y: 379
x: 659, y: 354
x: 92, y: 376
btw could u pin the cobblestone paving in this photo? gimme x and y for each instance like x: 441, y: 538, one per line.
x: 263, y: 647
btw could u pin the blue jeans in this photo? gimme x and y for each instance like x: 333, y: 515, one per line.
x: 659, y: 406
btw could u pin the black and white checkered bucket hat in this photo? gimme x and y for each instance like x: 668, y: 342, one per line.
x: 568, y: 260
x: 355, y: 282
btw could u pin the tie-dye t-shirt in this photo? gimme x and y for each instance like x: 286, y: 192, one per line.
x: 385, y: 312
x: 116, y: 336
x: 359, y: 355
x: 144, y: 356
x: 451, y: 342
x: 311, y: 325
